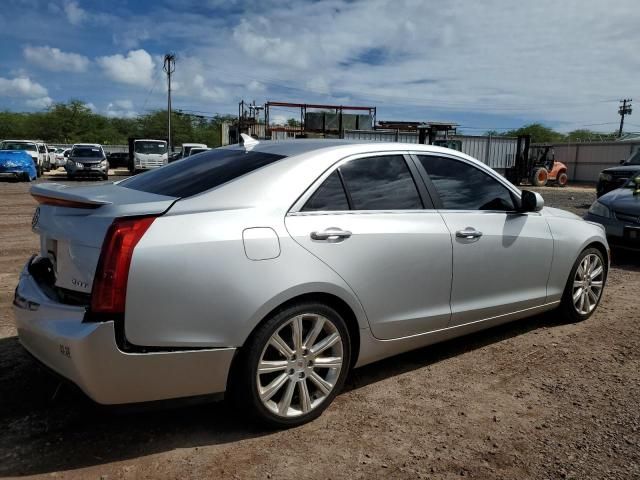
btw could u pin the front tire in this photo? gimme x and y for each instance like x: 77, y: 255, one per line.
x: 540, y: 177
x: 293, y: 366
x: 585, y: 286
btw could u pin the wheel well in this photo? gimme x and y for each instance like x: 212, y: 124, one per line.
x: 328, y: 299
x: 603, y: 250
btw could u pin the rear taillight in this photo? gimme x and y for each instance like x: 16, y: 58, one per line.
x: 110, y: 282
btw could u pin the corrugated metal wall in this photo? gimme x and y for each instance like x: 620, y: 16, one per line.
x: 497, y: 152
x: 585, y: 161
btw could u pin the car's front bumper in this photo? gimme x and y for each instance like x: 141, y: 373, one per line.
x: 615, y: 230
x: 87, y: 354
x: 87, y: 170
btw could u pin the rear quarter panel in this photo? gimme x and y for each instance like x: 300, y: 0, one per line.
x: 191, y: 283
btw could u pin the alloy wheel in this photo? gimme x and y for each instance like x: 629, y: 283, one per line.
x: 587, y: 284
x: 300, y: 365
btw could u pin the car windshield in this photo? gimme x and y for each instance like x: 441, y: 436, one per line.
x: 86, y: 152
x: 157, y: 148
x: 199, y: 173
x: 635, y: 159
x: 18, y: 146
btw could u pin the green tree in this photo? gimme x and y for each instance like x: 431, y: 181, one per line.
x: 539, y: 133
x: 585, y: 135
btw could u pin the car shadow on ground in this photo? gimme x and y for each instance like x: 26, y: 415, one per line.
x: 48, y: 425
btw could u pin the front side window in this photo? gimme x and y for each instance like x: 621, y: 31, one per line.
x: 380, y: 183
x: 462, y: 186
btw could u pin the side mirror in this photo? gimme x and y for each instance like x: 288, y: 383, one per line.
x: 622, y: 162
x: 531, y: 201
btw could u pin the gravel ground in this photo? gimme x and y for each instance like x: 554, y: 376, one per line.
x: 533, y: 399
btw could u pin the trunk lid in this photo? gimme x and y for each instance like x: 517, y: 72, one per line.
x: 73, y: 221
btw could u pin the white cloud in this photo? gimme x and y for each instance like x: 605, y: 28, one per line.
x: 21, y: 87
x: 42, y: 102
x: 137, y: 68
x: 125, y: 104
x: 255, y: 86
x: 54, y: 59
x: 462, y: 60
x: 121, y: 109
x: 318, y: 85
x: 275, y: 49
x: 75, y: 14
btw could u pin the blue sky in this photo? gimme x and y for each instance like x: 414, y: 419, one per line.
x: 491, y: 64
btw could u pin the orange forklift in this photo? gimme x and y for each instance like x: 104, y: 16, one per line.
x: 538, y: 170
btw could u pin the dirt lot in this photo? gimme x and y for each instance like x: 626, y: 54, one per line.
x: 533, y: 399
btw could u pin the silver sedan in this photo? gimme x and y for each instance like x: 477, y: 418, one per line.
x: 269, y: 270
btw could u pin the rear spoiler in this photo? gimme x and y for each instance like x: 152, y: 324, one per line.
x: 58, y: 195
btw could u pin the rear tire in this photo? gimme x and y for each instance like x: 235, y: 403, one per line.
x: 540, y: 177
x: 288, y: 385
x: 585, y: 286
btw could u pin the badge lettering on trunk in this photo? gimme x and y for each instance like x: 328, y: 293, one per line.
x: 36, y: 217
x: 64, y: 350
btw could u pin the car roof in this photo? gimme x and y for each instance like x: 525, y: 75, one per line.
x: 96, y: 145
x: 290, y: 148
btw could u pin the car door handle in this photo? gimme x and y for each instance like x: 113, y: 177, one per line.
x: 330, y: 234
x: 468, y: 233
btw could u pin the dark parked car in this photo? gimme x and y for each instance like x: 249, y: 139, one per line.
x: 616, y: 177
x: 118, y: 159
x: 619, y: 212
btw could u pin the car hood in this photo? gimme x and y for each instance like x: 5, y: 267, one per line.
x: 11, y: 160
x: 556, y: 212
x: 622, y: 168
x: 622, y: 200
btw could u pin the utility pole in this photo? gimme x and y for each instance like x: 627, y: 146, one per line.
x: 169, y: 67
x: 623, y: 109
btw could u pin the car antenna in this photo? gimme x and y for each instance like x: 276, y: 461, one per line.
x: 248, y: 141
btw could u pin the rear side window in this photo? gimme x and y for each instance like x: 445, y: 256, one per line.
x: 329, y: 196
x: 199, y: 173
x: 380, y: 183
x: 464, y: 187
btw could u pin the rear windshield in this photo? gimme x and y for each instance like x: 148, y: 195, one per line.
x: 199, y: 173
